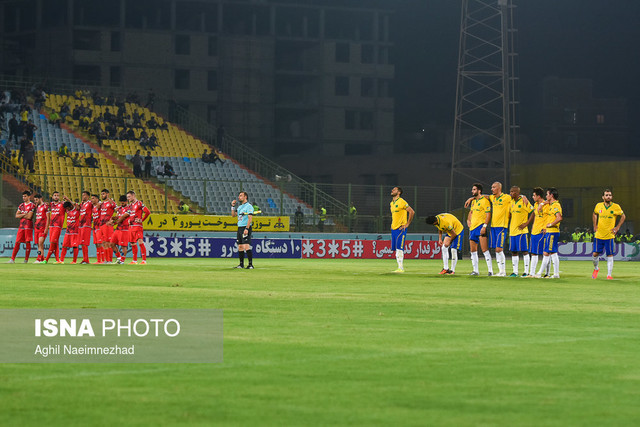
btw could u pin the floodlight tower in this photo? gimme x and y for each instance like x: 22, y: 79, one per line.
x: 485, y: 122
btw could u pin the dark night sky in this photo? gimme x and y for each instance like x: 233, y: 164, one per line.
x: 594, y: 39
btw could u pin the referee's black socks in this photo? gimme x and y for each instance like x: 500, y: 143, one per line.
x: 250, y: 256
x: 241, y: 256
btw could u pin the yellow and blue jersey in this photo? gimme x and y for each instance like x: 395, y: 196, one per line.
x: 520, y: 211
x: 479, y: 209
x: 500, y: 214
x: 554, y: 208
x: 449, y: 224
x: 606, y: 219
x: 398, y: 213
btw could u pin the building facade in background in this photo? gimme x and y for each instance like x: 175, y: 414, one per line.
x: 305, y: 77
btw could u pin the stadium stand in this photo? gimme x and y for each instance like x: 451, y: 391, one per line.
x: 56, y: 173
x: 210, y: 185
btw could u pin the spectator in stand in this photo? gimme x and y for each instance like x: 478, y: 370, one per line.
x: 148, y: 160
x: 168, y: 170
x: 15, y: 162
x: 76, y: 161
x: 29, y: 156
x: 152, y: 142
x: 131, y: 135
x: 206, y: 157
x: 64, y: 111
x: 63, y: 151
x: 30, y: 129
x: 184, y: 208
x: 13, y: 129
x: 54, y: 119
x: 160, y: 169
x: 215, y: 157
x: 91, y: 161
x: 137, y: 161
x: 152, y: 124
x: 24, y: 115
x: 299, y: 219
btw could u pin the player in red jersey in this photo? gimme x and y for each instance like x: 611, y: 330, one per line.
x: 71, y: 234
x: 139, y: 212
x: 106, y: 223
x: 121, y: 234
x: 43, y: 219
x: 56, y: 207
x: 86, y: 209
x: 97, y: 234
x: 25, y: 230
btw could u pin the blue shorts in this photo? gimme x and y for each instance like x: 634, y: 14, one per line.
x: 474, y: 235
x: 457, y: 242
x: 601, y: 246
x: 397, y: 239
x: 551, y: 242
x: 519, y: 243
x: 537, y: 241
x: 498, y: 235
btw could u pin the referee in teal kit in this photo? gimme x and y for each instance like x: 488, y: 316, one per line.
x: 245, y: 217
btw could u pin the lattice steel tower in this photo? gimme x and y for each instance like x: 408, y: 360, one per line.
x: 484, y: 129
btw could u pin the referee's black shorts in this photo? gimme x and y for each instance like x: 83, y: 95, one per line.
x: 241, y: 238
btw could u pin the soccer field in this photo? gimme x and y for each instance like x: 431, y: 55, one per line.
x: 323, y: 342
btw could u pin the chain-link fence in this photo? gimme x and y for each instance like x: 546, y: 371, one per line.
x: 363, y: 208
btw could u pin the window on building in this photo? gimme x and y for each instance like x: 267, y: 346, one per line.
x: 342, y: 86
x: 212, y: 80
x: 366, y: 120
x: 212, y: 114
x: 367, y: 87
x: 357, y: 149
x: 367, y: 53
x: 182, y: 79
x: 342, y: 52
x: 600, y: 119
x: 182, y: 44
x: 116, y: 41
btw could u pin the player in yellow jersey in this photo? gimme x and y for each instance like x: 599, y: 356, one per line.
x: 538, y: 216
x: 605, y: 215
x: 551, y: 233
x: 477, y: 221
x: 500, y: 204
x: 449, y: 224
x: 401, y: 216
x: 519, y: 231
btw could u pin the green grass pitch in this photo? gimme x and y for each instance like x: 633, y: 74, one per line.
x: 334, y: 342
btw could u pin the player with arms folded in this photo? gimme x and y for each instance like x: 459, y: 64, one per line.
x: 71, y: 237
x: 107, y: 208
x: 605, y: 215
x: 401, y: 217
x: 56, y: 207
x: 84, y: 234
x: 551, y: 232
x: 139, y: 212
x: 120, y: 236
x: 43, y: 219
x: 519, y: 231
x: 97, y: 233
x: 25, y: 230
x: 477, y: 221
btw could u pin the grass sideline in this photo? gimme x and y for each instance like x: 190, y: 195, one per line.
x: 335, y: 342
